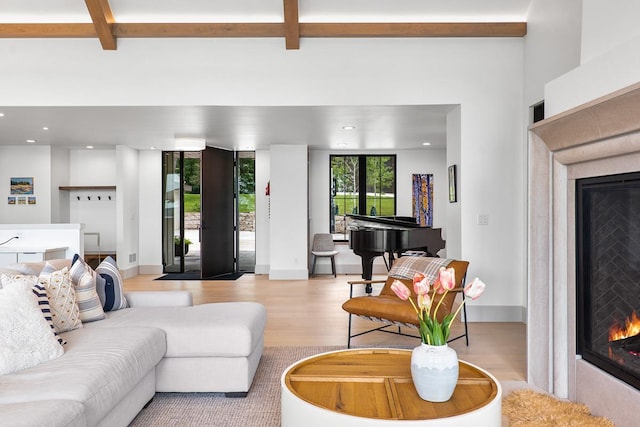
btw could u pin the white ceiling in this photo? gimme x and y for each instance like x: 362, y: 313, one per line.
x: 237, y: 128
x: 244, y: 128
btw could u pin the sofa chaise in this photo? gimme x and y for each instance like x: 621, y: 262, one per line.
x: 112, y: 368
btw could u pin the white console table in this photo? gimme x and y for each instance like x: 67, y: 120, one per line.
x: 17, y: 254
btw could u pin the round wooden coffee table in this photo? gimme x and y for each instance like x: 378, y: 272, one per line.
x: 373, y: 387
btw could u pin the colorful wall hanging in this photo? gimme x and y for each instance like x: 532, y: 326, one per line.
x: 423, y: 199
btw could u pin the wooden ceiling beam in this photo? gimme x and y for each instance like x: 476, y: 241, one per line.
x: 291, y: 24
x: 421, y: 29
x: 102, y: 18
x: 19, y: 31
x: 198, y: 30
x: 292, y: 32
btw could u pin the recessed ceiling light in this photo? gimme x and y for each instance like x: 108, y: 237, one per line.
x: 89, y: 147
x: 152, y: 148
x: 426, y: 144
x: 341, y: 145
x: 348, y: 127
x: 1, y: 114
x: 31, y: 141
x: 45, y: 128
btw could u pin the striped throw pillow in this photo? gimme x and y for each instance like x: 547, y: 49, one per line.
x: 113, y: 289
x: 85, y: 281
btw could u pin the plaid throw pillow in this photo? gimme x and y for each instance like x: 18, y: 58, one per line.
x: 406, y: 266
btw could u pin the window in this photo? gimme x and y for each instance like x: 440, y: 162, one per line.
x: 360, y: 184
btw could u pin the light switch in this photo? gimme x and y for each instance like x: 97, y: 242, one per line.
x: 483, y: 219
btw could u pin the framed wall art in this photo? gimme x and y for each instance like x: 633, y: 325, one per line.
x: 453, y: 190
x: 21, y: 185
x: 423, y: 199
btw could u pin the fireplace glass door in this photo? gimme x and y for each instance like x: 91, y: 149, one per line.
x: 608, y: 274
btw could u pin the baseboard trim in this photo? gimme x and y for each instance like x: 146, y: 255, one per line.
x: 496, y: 313
x: 288, y: 274
x: 261, y: 269
x: 150, y: 269
x: 130, y: 272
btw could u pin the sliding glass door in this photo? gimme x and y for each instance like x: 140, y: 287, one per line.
x: 246, y: 248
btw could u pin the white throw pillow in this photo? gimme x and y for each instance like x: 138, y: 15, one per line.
x: 26, y: 339
x: 41, y: 296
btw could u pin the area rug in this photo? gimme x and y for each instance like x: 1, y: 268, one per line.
x: 528, y: 408
x: 261, y: 408
x: 196, y: 276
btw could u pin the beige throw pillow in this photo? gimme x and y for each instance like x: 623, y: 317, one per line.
x: 65, y: 312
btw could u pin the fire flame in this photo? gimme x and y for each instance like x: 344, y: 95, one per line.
x: 631, y: 328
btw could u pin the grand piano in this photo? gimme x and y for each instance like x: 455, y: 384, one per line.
x: 373, y: 236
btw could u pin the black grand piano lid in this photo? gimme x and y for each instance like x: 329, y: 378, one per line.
x: 398, y: 222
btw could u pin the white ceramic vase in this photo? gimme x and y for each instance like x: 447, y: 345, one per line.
x: 434, y: 369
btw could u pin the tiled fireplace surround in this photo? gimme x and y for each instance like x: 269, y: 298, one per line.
x: 599, y: 138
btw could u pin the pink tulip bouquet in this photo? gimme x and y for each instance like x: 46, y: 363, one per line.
x: 432, y: 331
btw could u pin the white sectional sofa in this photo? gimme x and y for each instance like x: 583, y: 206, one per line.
x: 112, y: 368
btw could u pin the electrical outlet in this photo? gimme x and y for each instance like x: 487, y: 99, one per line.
x: 483, y: 219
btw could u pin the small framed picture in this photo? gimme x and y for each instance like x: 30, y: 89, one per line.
x: 21, y: 185
x: 22, y: 200
x: 31, y: 200
x: 453, y: 196
x: 11, y: 200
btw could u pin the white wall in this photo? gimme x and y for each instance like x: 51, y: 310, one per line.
x: 26, y: 161
x: 610, y: 44
x: 262, y: 176
x: 483, y: 76
x: 149, y: 205
x: 60, y: 171
x: 606, y: 25
x: 288, y: 248
x: 551, y: 46
x: 92, y: 167
x: 97, y: 168
x: 452, y: 231
x: 127, y: 204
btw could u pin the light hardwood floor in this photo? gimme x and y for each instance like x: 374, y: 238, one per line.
x: 308, y: 313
